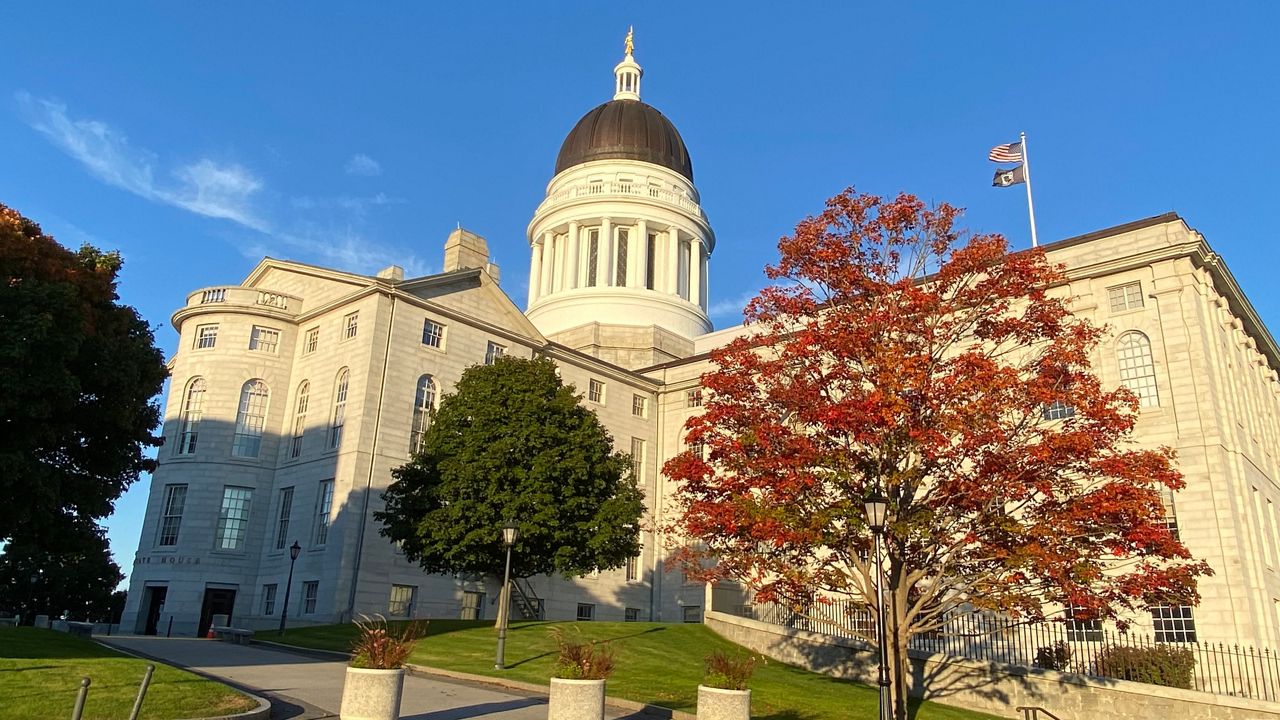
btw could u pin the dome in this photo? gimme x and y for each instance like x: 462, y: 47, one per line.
x: 625, y: 130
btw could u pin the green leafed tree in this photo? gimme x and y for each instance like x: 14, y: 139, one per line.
x: 69, y: 574
x: 80, y: 373
x: 513, y: 443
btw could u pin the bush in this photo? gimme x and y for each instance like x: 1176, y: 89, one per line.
x: 729, y: 672
x: 1054, y: 657
x: 379, y: 646
x: 1156, y: 665
x: 581, y: 660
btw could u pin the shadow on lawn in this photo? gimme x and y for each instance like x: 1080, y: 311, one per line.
x: 548, y: 624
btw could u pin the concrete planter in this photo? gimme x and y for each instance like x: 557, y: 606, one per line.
x: 576, y: 700
x: 372, y: 694
x: 718, y: 704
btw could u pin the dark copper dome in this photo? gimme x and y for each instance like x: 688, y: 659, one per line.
x: 625, y: 130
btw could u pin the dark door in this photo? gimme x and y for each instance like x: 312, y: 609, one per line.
x: 217, y: 601
x: 155, y: 606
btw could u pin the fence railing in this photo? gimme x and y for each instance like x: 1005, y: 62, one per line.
x: 1090, y: 648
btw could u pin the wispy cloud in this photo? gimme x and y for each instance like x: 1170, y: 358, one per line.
x: 204, y: 187
x: 228, y: 191
x: 361, y: 164
x: 731, y: 306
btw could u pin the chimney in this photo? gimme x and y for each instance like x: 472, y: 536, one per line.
x: 394, y: 273
x: 464, y: 250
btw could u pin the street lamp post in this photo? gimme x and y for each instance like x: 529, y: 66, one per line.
x: 877, y: 506
x: 509, y: 535
x: 294, y: 549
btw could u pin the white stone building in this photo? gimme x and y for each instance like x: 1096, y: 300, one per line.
x: 297, y: 391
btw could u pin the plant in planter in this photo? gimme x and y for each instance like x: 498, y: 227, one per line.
x: 375, y: 674
x: 723, y: 694
x: 577, y: 690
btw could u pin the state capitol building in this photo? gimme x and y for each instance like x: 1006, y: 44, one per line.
x: 296, y: 392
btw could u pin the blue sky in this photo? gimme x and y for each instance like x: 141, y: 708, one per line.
x: 196, y: 138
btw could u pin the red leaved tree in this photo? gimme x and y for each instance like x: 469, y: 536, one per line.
x: 895, y: 354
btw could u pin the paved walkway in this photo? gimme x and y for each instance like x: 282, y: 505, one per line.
x: 306, y: 688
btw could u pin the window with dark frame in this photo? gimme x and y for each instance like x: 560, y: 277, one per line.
x: 632, y: 615
x: 1173, y: 623
x: 595, y: 391
x: 310, y: 591
x: 282, y: 517
x: 269, y: 599
x: 586, y: 611
x: 175, y: 500
x: 432, y: 333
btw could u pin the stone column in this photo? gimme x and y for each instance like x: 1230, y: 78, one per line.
x: 604, y: 271
x: 704, y: 298
x: 535, y: 272
x: 695, y: 271
x: 574, y: 252
x: 547, y: 261
x: 640, y: 256
x: 557, y: 274
x: 673, y: 262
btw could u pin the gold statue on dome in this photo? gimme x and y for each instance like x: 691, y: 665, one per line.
x: 630, y: 44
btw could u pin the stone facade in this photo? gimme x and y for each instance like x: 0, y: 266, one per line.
x: 293, y: 396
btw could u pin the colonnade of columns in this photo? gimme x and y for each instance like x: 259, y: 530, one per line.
x: 562, y: 260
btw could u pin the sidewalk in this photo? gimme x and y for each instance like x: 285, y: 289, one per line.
x: 306, y: 688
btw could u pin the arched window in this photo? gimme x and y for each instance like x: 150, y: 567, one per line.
x: 1137, y: 369
x: 339, y: 409
x: 250, y: 419
x: 300, y: 418
x: 424, y: 404
x: 192, y: 411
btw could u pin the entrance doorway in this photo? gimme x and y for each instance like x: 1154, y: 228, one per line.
x: 155, y: 605
x: 217, y: 601
x: 472, y: 605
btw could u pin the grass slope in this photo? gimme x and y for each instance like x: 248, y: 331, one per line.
x: 40, y: 673
x: 657, y: 663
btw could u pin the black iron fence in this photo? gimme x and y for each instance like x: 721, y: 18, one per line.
x: 1085, y: 648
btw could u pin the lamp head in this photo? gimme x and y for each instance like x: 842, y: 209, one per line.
x: 509, y: 534
x: 877, y: 507
x: 294, y: 549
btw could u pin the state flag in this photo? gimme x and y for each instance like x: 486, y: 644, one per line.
x: 1009, y: 178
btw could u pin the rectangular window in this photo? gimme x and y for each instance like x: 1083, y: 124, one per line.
x: 693, y: 398
x: 233, y: 518
x: 264, y: 339
x: 1170, y: 517
x: 1057, y: 410
x: 350, y: 325
x: 324, y: 502
x: 632, y: 614
x: 620, y: 269
x: 310, y: 591
x: 595, y: 391
x: 637, y: 459
x: 639, y: 405
x: 269, y: 599
x: 593, y: 256
x: 691, y: 614
x: 311, y: 342
x: 175, y: 498
x: 432, y: 334
x: 494, y: 352
x: 1080, y: 629
x: 633, y: 569
x: 650, y: 262
x: 206, y: 336
x: 1125, y: 297
x: 282, y: 519
x: 402, y: 599
x: 586, y: 611
x: 472, y: 605
x: 1173, y: 624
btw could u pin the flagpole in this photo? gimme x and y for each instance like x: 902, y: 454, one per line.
x: 1026, y: 173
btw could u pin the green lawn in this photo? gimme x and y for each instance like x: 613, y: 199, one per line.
x: 656, y: 663
x: 40, y: 673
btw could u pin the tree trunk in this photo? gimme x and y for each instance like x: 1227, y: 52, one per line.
x: 899, y: 670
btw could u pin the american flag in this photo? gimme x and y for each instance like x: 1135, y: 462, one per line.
x: 1012, y: 152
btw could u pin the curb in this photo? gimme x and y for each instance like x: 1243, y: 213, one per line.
x: 262, y: 712
x: 656, y: 711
